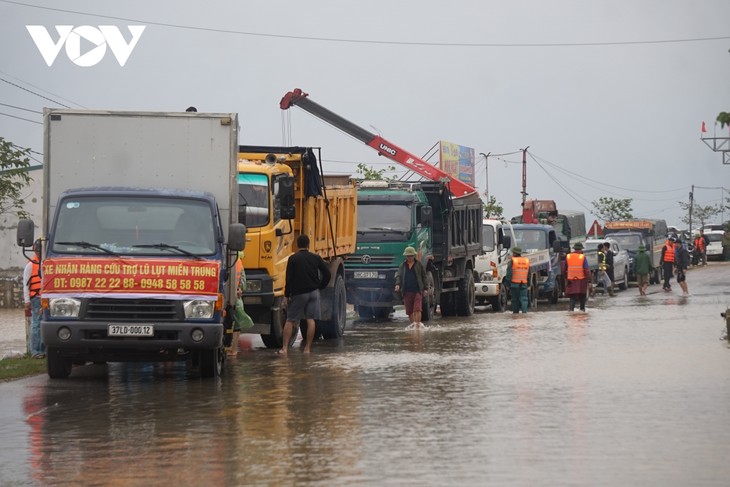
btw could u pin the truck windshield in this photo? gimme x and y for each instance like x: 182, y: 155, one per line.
x: 134, y: 225
x: 628, y: 242
x: 488, y: 237
x: 379, y: 217
x: 531, y: 240
x: 253, y: 199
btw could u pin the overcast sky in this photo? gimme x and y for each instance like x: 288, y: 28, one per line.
x: 609, y: 95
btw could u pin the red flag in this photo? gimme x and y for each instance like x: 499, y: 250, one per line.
x: 704, y: 129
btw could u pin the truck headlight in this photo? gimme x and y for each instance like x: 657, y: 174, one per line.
x: 198, y: 309
x: 64, y: 307
x: 486, y: 276
x: 253, y: 286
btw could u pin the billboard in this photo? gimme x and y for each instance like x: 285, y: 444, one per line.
x: 457, y: 161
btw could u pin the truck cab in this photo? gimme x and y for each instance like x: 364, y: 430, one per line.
x: 391, y: 216
x: 491, y: 266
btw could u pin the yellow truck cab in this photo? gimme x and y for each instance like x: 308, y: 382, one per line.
x: 282, y: 194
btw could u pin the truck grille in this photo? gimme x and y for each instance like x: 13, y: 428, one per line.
x: 131, y: 309
x: 369, y: 259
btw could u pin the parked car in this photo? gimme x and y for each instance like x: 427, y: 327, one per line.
x: 714, y: 246
x: 620, y: 259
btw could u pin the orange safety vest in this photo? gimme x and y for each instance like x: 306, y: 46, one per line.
x: 669, y: 252
x: 700, y: 244
x: 239, y: 268
x: 34, y: 282
x: 520, y: 269
x: 574, y: 261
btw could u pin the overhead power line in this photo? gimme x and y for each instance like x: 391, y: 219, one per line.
x: 371, y: 41
x: 21, y: 118
x: 33, y: 92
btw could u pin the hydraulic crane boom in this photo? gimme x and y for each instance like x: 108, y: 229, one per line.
x: 383, y: 146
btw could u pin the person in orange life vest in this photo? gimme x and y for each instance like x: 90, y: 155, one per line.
x: 32, y: 299
x: 577, y: 277
x: 700, y: 249
x: 667, y: 261
x: 518, y: 275
x: 411, y: 280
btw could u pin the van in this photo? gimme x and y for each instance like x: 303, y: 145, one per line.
x: 714, y: 245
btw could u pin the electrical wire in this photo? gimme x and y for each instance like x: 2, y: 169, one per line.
x: 33, y: 92
x: 21, y: 108
x: 41, y: 89
x: 21, y: 118
x: 378, y: 42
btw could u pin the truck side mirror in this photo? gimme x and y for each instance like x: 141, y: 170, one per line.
x: 236, y: 236
x: 426, y: 216
x: 506, y: 241
x: 25, y: 233
x: 287, y: 209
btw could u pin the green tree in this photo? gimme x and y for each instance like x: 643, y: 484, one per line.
x: 493, y: 209
x: 612, y: 209
x: 14, y: 164
x: 700, y: 214
x: 724, y: 119
x: 368, y: 173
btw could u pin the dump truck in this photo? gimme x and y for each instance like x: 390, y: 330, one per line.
x: 283, y: 193
x: 139, y: 235
x: 446, y: 231
x: 652, y: 233
x: 442, y: 217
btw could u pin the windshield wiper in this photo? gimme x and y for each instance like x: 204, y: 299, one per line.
x: 166, y: 246
x: 386, y: 229
x: 88, y: 245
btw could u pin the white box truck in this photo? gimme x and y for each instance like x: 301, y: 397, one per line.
x: 139, y: 235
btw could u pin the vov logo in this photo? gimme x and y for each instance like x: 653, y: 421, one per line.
x: 95, y: 41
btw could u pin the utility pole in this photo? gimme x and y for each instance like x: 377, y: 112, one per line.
x: 524, y: 176
x: 691, y: 201
x: 486, y: 174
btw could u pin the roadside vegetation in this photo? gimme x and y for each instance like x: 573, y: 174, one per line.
x: 17, y: 368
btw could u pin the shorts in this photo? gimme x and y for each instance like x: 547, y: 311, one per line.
x: 303, y: 306
x: 412, y: 302
x: 680, y: 276
x: 642, y: 279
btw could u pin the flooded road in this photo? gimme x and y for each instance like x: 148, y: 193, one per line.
x: 634, y: 392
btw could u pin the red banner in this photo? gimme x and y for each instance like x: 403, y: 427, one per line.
x: 64, y: 275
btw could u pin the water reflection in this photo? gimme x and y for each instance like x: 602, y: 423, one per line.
x: 549, y: 398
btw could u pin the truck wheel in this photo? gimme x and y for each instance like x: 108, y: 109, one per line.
x: 276, y: 334
x: 532, y: 296
x: 465, y: 296
x: 428, y: 307
x: 211, y: 362
x: 58, y: 366
x: 446, y: 302
x: 335, y: 326
x: 555, y: 295
x: 624, y: 285
x: 499, y: 302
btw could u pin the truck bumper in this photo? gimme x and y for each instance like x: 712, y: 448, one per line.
x: 90, y: 339
x: 486, y: 289
x: 377, y: 293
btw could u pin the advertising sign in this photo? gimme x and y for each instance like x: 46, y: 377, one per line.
x: 457, y: 161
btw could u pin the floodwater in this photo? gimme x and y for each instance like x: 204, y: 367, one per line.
x: 634, y: 392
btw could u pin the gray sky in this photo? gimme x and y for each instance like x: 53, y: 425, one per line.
x: 614, y: 91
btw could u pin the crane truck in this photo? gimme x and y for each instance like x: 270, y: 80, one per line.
x: 139, y: 237
x: 440, y: 216
x: 282, y: 193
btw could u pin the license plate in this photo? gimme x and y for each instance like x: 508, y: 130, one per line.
x: 131, y: 331
x: 366, y: 274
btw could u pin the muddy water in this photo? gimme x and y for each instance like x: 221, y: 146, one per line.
x: 633, y: 392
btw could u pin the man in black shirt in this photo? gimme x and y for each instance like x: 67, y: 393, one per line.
x: 306, y: 274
